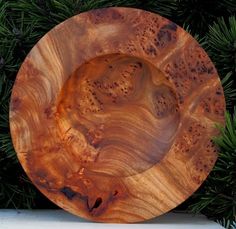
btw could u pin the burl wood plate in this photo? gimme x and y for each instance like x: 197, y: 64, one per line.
x: 113, y: 112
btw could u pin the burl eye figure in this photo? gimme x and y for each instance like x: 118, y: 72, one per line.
x: 113, y: 112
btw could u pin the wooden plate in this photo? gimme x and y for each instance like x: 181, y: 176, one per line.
x: 113, y: 112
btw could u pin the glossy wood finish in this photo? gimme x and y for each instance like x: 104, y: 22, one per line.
x: 112, y: 115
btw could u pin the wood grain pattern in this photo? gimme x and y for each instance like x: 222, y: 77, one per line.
x: 112, y: 115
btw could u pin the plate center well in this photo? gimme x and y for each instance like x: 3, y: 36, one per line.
x: 119, y: 113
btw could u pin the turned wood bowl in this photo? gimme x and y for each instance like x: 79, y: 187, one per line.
x: 113, y: 112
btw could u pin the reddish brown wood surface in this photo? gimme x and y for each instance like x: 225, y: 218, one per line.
x: 113, y: 112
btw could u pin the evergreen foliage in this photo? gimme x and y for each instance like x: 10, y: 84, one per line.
x: 212, y: 23
x: 222, y: 43
x: 227, y: 223
x: 198, y: 14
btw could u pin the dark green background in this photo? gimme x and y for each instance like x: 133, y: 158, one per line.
x: 212, y: 22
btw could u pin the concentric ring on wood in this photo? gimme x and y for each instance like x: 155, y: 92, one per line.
x: 112, y: 115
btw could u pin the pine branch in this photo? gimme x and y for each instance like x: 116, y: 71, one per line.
x: 222, y: 45
x: 200, y: 39
x: 90, y: 4
x: 14, y: 191
x: 228, y: 224
x: 47, y: 13
x: 166, y: 8
x: 198, y: 14
x: 229, y: 4
x: 229, y: 90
